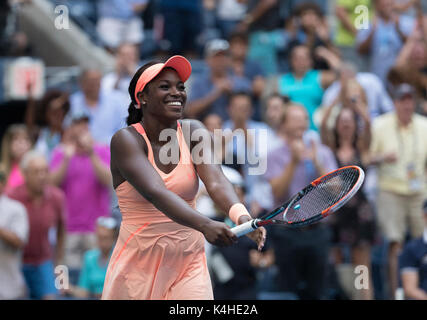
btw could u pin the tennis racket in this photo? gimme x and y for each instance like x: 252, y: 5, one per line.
x: 316, y: 201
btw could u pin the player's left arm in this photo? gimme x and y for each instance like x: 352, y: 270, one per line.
x: 217, y: 185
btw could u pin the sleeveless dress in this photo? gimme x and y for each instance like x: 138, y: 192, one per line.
x: 155, y: 257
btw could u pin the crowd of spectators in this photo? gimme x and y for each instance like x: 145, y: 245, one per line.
x: 306, y: 86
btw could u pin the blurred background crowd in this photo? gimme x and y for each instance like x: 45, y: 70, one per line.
x: 331, y: 82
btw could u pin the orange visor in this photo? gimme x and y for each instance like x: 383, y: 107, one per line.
x: 179, y: 63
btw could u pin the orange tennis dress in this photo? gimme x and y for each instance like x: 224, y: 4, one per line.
x: 155, y: 257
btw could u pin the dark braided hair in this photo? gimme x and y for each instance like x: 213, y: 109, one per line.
x: 135, y: 115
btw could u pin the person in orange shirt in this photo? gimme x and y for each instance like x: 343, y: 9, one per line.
x: 160, y: 253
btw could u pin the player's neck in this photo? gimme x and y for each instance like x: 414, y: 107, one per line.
x: 154, y: 127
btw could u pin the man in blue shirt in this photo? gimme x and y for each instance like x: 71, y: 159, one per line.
x: 413, y: 266
x: 210, y: 92
x: 384, y: 37
x: 105, y: 110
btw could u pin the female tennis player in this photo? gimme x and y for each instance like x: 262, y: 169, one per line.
x: 160, y: 250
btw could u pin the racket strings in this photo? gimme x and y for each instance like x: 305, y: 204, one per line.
x: 331, y: 189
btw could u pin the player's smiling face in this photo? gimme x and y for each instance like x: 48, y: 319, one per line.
x: 166, y: 96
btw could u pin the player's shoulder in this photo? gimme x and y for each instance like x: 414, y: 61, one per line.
x: 126, y: 142
x: 125, y: 136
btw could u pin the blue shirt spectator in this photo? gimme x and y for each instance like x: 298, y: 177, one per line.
x: 117, y: 81
x: 209, y: 93
x: 108, y: 116
x: 385, y: 44
x: 93, y: 272
x: 104, y: 110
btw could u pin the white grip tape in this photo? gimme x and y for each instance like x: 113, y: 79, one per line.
x: 244, y: 228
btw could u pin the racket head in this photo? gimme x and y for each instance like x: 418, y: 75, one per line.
x: 319, y: 199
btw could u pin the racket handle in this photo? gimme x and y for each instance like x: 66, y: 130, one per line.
x: 245, y: 228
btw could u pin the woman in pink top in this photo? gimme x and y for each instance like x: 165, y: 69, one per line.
x: 160, y: 250
x: 15, y: 144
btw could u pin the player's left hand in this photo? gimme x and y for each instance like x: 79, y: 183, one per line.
x: 259, y: 235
